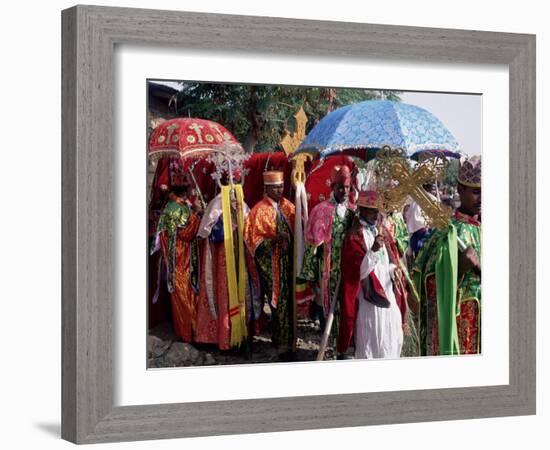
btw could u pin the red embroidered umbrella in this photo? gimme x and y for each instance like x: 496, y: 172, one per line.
x: 184, y: 137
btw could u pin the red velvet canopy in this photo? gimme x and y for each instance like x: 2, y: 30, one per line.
x: 183, y: 136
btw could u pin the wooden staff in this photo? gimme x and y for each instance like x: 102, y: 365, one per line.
x: 383, y: 231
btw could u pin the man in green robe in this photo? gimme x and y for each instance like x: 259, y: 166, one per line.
x: 448, y: 280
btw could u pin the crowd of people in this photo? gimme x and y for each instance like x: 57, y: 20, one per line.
x: 232, y: 270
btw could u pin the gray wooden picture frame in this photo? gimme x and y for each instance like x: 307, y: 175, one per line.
x: 89, y: 36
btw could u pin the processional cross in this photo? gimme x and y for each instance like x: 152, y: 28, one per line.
x: 291, y: 141
x: 394, y: 167
x: 410, y: 181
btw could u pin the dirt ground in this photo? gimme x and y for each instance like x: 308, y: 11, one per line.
x: 165, y: 349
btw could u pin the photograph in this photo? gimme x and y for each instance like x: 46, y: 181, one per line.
x: 257, y: 225
x: 271, y: 225
x: 311, y: 223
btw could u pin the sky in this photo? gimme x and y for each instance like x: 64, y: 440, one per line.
x: 460, y: 113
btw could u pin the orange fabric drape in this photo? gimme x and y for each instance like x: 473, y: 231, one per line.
x: 183, y: 299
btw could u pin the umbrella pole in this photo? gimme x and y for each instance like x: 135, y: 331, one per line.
x: 199, y: 192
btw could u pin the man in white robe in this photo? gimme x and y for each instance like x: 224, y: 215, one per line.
x: 370, y: 309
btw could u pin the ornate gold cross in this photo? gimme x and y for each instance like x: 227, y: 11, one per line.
x: 290, y: 142
x: 410, y: 183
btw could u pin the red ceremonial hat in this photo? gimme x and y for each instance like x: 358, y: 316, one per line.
x: 368, y: 199
x: 341, y: 175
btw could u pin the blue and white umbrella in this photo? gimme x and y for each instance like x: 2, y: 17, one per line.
x: 363, y: 128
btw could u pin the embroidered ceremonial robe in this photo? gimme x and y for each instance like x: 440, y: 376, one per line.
x: 270, y: 262
x: 450, y: 309
x: 176, y: 233
x: 376, y: 331
x: 398, y: 228
x: 325, y: 232
x: 213, y: 321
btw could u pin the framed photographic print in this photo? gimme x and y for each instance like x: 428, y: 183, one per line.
x: 155, y: 311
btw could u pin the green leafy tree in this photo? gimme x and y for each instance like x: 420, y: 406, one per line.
x: 451, y: 177
x: 259, y: 115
